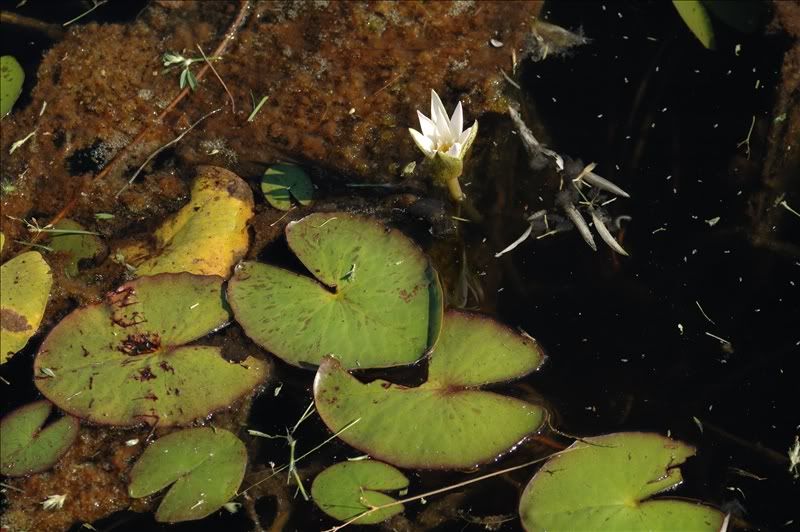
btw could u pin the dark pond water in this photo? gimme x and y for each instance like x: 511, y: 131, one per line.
x: 633, y: 343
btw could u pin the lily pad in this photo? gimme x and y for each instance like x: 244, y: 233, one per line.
x: 347, y: 489
x: 281, y: 182
x: 696, y: 18
x: 25, y: 283
x: 76, y: 246
x: 445, y: 423
x: 124, y: 361
x: 27, y: 447
x: 11, y: 78
x: 208, y: 235
x: 606, y: 484
x: 205, y: 467
x: 375, y: 302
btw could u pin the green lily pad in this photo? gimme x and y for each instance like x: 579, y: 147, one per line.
x: 375, y: 302
x: 347, y: 489
x: 27, y: 447
x: 205, y: 467
x: 25, y: 283
x: 208, y: 235
x: 606, y: 484
x: 11, y: 78
x: 281, y: 182
x: 124, y: 361
x: 76, y: 246
x: 445, y: 423
x: 696, y: 18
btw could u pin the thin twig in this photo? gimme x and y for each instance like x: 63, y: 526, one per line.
x: 164, y: 147
x: 214, y: 70
x: 97, y: 3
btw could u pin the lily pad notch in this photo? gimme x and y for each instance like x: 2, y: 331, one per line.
x: 374, y: 300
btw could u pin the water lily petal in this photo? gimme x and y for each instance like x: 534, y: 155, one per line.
x: 455, y: 150
x: 605, y: 234
x: 457, y: 121
x: 605, y: 184
x: 580, y: 223
x: 427, y: 125
x: 424, y: 143
x: 439, y: 117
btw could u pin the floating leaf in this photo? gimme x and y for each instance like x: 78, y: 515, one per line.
x: 25, y: 284
x: 205, y: 467
x: 123, y: 361
x: 281, y: 182
x: 76, y: 246
x: 695, y: 16
x: 445, y: 423
x: 27, y: 447
x: 742, y: 15
x: 347, y: 489
x: 11, y: 78
x: 375, y: 301
x: 208, y: 235
x: 606, y: 484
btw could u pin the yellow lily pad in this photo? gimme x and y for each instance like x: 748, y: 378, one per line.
x: 25, y: 284
x: 208, y: 235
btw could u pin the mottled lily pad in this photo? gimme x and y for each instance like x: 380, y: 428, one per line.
x: 375, y: 302
x: 282, y: 182
x: 445, y: 423
x: 124, y: 361
x: 606, y: 482
x: 75, y: 246
x: 11, y: 78
x: 208, y: 235
x: 347, y: 489
x: 25, y: 283
x: 26, y: 446
x: 205, y: 467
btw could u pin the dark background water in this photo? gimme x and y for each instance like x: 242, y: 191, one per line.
x: 627, y: 343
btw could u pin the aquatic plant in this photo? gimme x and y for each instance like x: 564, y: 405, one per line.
x: 30, y: 447
x: 347, y: 489
x: 124, y: 361
x: 11, y: 78
x: 445, y: 143
x: 76, y: 244
x: 282, y: 182
x: 605, y: 483
x: 26, y: 280
x: 375, y: 301
x: 204, y: 467
x: 447, y: 422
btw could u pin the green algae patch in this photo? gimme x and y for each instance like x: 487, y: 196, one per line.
x: 375, y: 300
x: 605, y: 483
x: 204, y: 466
x: 447, y: 422
x: 124, y: 361
x: 282, y: 182
x: 76, y: 244
x: 29, y: 447
x: 11, y: 78
x: 347, y: 489
x: 208, y: 235
x: 25, y: 283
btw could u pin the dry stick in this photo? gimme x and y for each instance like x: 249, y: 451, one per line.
x: 214, y: 70
x: 223, y: 45
x: 445, y: 489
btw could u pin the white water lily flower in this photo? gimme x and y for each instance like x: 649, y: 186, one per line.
x: 445, y: 142
x: 54, y: 502
x: 443, y: 135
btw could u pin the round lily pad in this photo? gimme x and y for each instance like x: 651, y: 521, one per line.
x: 76, y: 244
x: 27, y: 447
x: 205, y: 467
x: 347, y: 489
x: 281, y: 182
x: 26, y: 280
x: 208, y: 235
x: 11, y: 78
x: 605, y: 483
x: 124, y: 361
x: 445, y: 423
x: 375, y: 302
